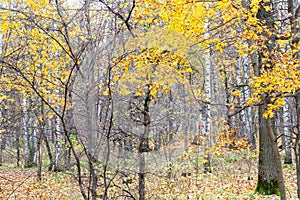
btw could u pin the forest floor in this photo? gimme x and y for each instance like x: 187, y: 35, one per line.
x: 232, y: 178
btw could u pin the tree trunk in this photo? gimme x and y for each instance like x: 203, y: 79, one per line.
x: 58, y: 152
x: 270, y: 179
x: 287, y: 142
x: 40, y: 154
x: 1, y: 138
x: 90, y: 95
x: 18, y: 147
x: 40, y: 143
x: 27, y: 162
x: 267, y: 182
x: 34, y: 149
x: 141, y: 176
x: 207, y: 126
x: 144, y: 146
x: 50, y: 168
x: 171, y: 118
x: 297, y: 146
x: 1, y: 149
x: 277, y: 158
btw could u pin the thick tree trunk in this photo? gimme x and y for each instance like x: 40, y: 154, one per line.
x: 277, y: 159
x: 270, y: 178
x: 267, y: 182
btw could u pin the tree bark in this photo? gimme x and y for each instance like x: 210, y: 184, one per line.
x: 270, y: 179
x: 59, y: 150
x: 267, y: 182
x: 277, y: 159
x: 287, y: 142
x: 296, y: 146
x: 1, y: 149
x: 26, y: 134
x: 144, y: 146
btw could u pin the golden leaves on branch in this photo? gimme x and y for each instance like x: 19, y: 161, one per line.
x: 151, y: 69
x: 36, y: 55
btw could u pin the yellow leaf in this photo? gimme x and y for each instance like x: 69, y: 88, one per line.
x: 106, y: 92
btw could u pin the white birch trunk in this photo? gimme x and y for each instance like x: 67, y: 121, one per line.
x: 247, y: 118
x: 207, y: 125
x: 208, y: 95
x: 58, y: 145
x: 241, y: 118
x: 58, y: 142
x: 35, y: 144
x: 287, y: 134
x: 26, y: 133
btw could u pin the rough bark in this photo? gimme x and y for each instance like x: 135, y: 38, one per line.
x: 267, y: 182
x: 270, y: 179
x: 277, y: 159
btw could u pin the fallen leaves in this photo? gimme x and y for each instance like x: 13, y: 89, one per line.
x: 22, y: 184
x: 229, y: 180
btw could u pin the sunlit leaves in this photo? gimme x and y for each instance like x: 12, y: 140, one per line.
x: 37, y: 48
x: 282, y: 79
x: 153, y: 70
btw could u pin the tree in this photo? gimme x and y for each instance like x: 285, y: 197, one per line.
x: 45, y: 65
x: 274, y: 63
x: 143, y: 77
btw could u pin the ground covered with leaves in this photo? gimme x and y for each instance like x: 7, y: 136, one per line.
x: 232, y: 178
x: 16, y: 183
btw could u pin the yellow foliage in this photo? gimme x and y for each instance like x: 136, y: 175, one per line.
x: 152, y: 69
x: 44, y: 58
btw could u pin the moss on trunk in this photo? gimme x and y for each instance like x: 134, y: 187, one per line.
x: 265, y: 187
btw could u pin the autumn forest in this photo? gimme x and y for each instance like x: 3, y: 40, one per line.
x: 149, y: 99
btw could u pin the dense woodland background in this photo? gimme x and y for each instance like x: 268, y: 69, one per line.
x: 149, y: 99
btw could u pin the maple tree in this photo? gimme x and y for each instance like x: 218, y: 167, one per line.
x: 177, y: 16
